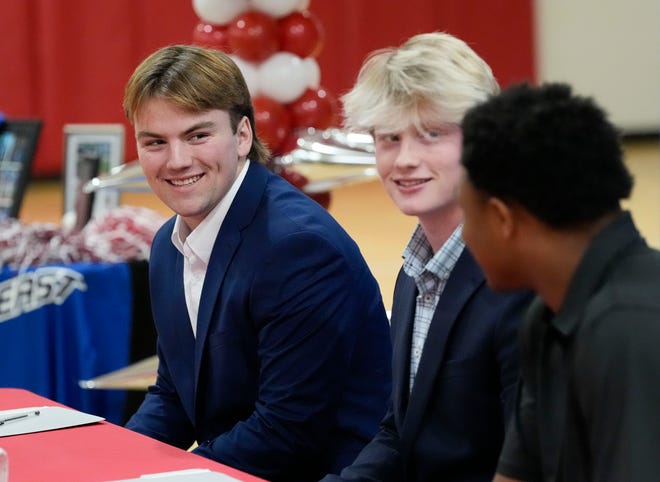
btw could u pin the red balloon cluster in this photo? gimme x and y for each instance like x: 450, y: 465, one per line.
x: 215, y: 36
x: 255, y: 36
x: 274, y: 43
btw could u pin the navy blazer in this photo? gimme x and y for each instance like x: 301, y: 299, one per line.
x: 289, y: 375
x: 451, y: 427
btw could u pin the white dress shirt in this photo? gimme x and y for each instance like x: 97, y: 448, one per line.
x: 197, y: 245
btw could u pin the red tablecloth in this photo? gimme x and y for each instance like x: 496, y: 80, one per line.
x: 97, y: 452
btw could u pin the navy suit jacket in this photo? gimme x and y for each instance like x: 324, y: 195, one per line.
x: 451, y: 426
x: 289, y: 375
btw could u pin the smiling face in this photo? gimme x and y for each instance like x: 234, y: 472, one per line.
x: 190, y: 159
x: 421, y: 171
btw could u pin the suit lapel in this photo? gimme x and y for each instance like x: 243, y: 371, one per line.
x: 241, y: 213
x: 185, y: 341
x: 465, y: 278
x: 403, y: 313
x: 183, y: 331
x: 226, y: 244
x: 171, y: 315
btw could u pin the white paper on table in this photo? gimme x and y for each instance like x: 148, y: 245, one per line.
x: 49, y: 418
x: 188, y: 475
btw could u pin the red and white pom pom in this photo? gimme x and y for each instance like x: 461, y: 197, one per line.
x: 121, y: 234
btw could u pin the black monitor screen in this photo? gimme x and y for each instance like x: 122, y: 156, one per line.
x: 18, y: 143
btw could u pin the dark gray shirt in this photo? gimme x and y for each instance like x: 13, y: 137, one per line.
x: 589, y: 404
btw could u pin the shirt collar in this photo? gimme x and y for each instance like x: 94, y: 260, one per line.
x: 418, y: 254
x: 605, y: 249
x: 201, y: 239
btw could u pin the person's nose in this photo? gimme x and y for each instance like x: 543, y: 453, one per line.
x: 179, y: 156
x: 408, y: 154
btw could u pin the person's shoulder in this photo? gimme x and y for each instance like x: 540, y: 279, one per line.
x: 631, y: 285
x: 640, y: 265
x: 164, y: 233
x: 510, y: 299
x: 290, y: 211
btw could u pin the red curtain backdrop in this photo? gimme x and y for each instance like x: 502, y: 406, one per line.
x: 66, y: 61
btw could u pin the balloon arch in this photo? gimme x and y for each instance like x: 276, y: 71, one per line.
x: 275, y: 43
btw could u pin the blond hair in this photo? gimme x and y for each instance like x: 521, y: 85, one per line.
x: 431, y: 77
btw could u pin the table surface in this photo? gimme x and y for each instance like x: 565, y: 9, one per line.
x: 96, y: 452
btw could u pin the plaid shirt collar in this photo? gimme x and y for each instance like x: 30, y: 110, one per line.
x: 418, y: 255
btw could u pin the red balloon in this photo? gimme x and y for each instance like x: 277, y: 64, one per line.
x: 254, y: 36
x: 301, y: 33
x: 315, y: 108
x: 273, y: 121
x: 209, y: 35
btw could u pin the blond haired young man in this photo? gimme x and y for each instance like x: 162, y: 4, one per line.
x: 455, y: 361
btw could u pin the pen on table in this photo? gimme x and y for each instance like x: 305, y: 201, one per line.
x: 19, y: 416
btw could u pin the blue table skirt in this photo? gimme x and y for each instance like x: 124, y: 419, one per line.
x: 64, y: 323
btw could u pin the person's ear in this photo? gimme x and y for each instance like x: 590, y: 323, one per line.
x: 502, y: 216
x: 244, y: 137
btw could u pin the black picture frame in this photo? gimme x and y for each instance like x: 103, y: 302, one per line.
x: 18, y: 144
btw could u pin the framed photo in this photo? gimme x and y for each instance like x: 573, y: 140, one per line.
x: 90, y: 150
x: 18, y: 144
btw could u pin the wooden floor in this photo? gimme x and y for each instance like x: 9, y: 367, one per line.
x: 373, y: 221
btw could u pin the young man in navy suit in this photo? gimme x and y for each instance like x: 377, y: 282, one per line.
x: 455, y: 363
x: 273, y: 342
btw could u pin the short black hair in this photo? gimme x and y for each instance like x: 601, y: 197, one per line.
x: 552, y: 152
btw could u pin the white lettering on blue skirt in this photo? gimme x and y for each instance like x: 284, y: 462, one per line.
x: 31, y: 290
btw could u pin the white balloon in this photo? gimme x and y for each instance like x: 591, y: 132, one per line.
x: 275, y: 8
x: 313, y: 72
x: 283, y: 77
x: 250, y: 74
x: 219, y: 12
